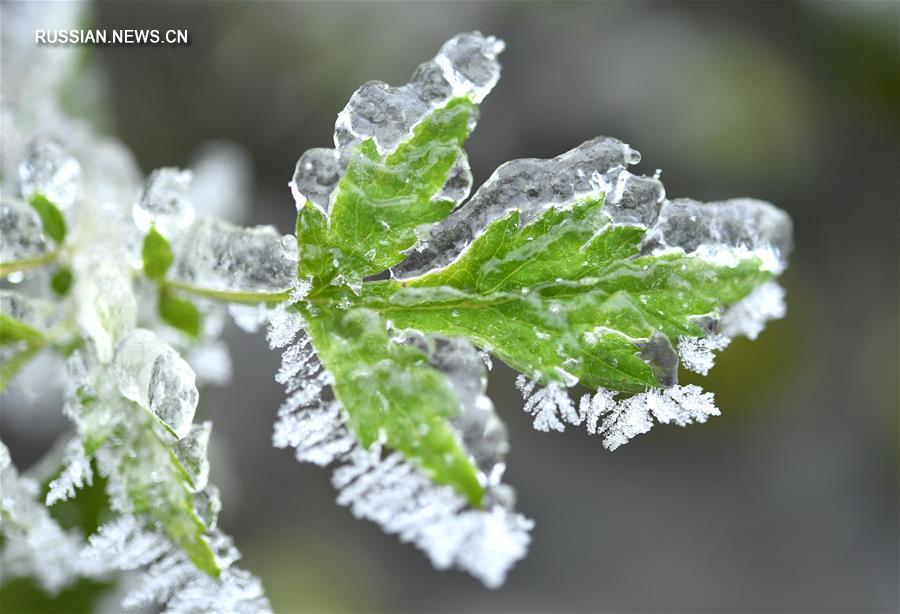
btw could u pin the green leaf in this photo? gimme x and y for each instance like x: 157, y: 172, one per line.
x: 179, y: 313
x: 61, y: 282
x: 51, y: 217
x: 156, y: 254
x: 379, y: 203
x: 568, y: 296
x: 389, y: 390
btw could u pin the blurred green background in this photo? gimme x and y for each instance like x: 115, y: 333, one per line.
x: 789, y: 501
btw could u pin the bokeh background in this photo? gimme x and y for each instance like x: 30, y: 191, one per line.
x: 789, y: 501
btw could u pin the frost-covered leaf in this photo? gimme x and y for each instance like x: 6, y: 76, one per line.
x: 21, y: 233
x: 49, y: 169
x: 156, y: 255
x: 484, y: 540
x: 51, y: 217
x: 392, y: 394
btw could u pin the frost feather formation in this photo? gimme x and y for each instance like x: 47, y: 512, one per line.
x: 391, y: 491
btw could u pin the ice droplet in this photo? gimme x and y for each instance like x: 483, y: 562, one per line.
x: 216, y: 255
x: 48, y: 168
x: 165, y: 202
x: 21, y: 232
x: 152, y: 374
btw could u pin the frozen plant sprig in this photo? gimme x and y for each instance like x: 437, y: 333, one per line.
x: 387, y: 303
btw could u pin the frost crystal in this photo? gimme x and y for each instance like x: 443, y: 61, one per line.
x: 466, y: 65
x: 165, y: 202
x: 617, y: 420
x: 170, y: 578
x: 698, y: 353
x: 219, y: 256
x: 21, y: 232
x: 551, y: 405
x: 35, y: 545
x: 748, y: 317
x: 394, y: 493
x: 75, y: 474
x: 47, y: 168
x: 152, y: 374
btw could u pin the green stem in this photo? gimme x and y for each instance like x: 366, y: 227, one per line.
x: 229, y: 297
x: 11, y: 367
x: 27, y: 263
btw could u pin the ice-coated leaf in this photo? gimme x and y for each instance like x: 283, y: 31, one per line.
x: 392, y: 394
x: 221, y: 257
x: 165, y: 202
x: 21, y: 233
x: 569, y: 298
x: 51, y: 217
x: 399, y: 164
x: 156, y: 255
x: 47, y: 168
x: 379, y: 203
x: 152, y: 374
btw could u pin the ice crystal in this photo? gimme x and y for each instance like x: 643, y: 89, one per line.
x: 724, y: 231
x: 170, y: 579
x: 75, y: 474
x: 530, y: 186
x: 49, y: 169
x: 617, y: 420
x: 35, y: 545
x: 216, y: 255
x: 191, y: 452
x: 550, y: 405
x: 165, y: 202
x: 21, y: 232
x: 698, y: 353
x: 748, y: 317
x: 153, y: 375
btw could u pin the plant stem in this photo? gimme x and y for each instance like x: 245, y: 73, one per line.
x: 27, y: 263
x: 230, y: 297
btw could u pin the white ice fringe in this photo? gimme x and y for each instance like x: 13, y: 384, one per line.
x: 746, y: 318
x: 170, y: 579
x: 389, y: 490
x: 75, y: 474
x: 617, y: 420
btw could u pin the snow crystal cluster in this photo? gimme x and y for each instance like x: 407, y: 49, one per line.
x: 617, y: 420
x: 391, y: 491
x: 466, y: 65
